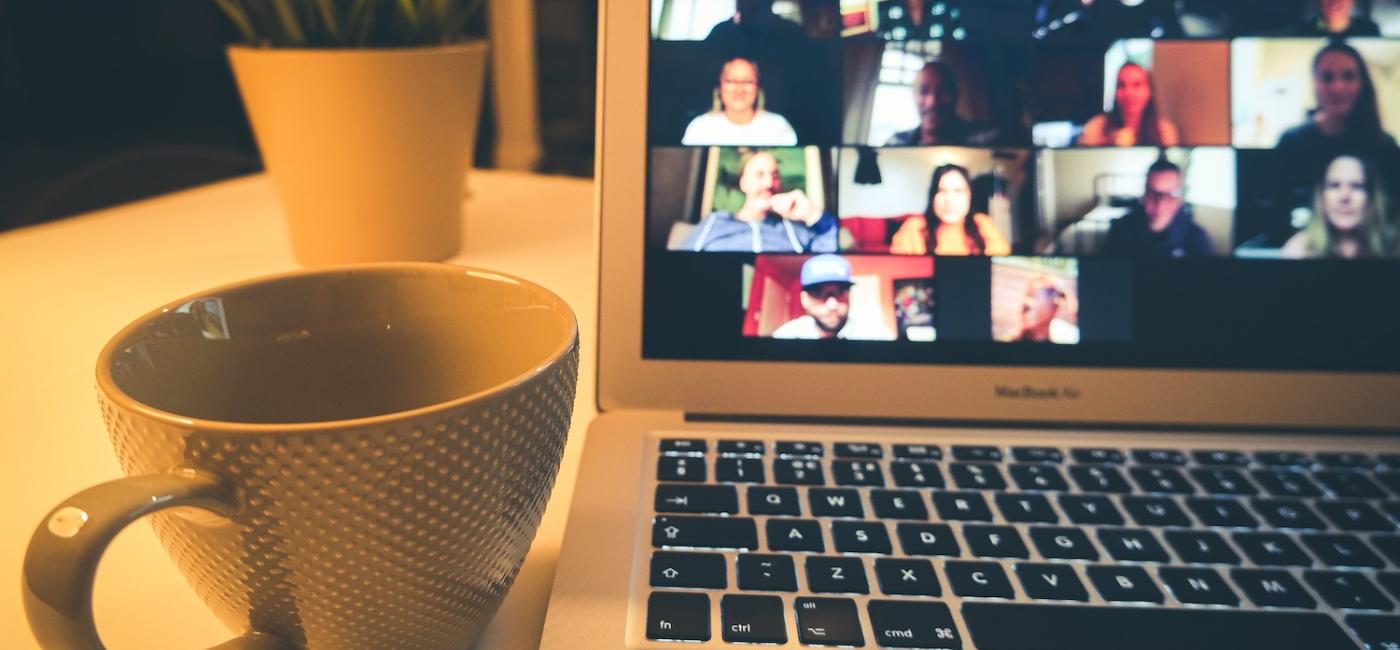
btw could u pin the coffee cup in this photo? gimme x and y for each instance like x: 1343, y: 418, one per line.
x: 343, y: 458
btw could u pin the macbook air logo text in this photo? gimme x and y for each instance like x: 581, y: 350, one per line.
x: 1036, y: 392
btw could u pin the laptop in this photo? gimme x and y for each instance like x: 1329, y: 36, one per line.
x: 991, y: 325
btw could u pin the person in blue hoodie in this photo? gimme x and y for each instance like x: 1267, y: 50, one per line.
x: 770, y: 221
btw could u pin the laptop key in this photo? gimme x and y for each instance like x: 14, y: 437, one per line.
x: 1124, y: 584
x: 1037, y: 455
x: 708, y: 499
x: 857, y: 472
x: 978, y: 580
x: 995, y: 541
x: 1038, y: 477
x: 1018, y: 626
x: 1090, y: 509
x: 1155, y: 511
x: 1271, y: 588
x: 1099, y: 478
x: 961, y: 506
x: 1288, y: 514
x: 863, y: 450
x: 828, y: 622
x: 766, y: 572
x: 1388, y: 545
x: 678, y: 617
x: 752, y: 448
x: 798, y: 449
x: 688, y: 570
x: 1198, y: 586
x: 835, y: 503
x: 1356, y: 516
x: 1391, y: 581
x: 1201, y: 547
x: 752, y: 619
x: 918, y: 452
x: 1271, y: 549
x: 1222, y: 513
x: 1345, y: 459
x: 739, y: 470
x: 1391, y: 480
x: 836, y: 575
x: 907, y: 577
x: 1132, y: 545
x: 1220, y: 457
x: 927, y: 539
x: 1026, y: 508
x: 977, y: 476
x: 906, y: 624
x: 1347, y: 590
x: 1286, y: 483
x: 1158, y: 457
x: 1050, y: 582
x: 1161, y: 480
x: 1282, y: 459
x: 794, y: 535
x: 736, y: 533
x: 796, y: 471
x: 1342, y: 551
x: 898, y: 504
x: 868, y: 537
x: 684, y: 447
x: 1097, y: 456
x: 916, y: 474
x: 1377, y: 632
x: 974, y: 453
x: 680, y: 468
x: 1349, y: 485
x: 1224, y: 481
x: 773, y: 501
x: 1063, y: 544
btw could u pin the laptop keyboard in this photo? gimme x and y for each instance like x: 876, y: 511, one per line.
x: 859, y: 544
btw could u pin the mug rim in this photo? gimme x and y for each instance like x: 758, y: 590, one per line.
x: 108, y: 386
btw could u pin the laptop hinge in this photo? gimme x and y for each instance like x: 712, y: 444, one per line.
x: 808, y: 420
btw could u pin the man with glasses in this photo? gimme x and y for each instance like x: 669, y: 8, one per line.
x: 1161, y: 224
x: 826, y: 295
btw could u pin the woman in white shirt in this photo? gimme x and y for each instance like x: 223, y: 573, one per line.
x: 738, y: 118
x: 1133, y: 122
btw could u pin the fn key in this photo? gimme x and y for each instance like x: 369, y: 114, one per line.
x: 678, y: 617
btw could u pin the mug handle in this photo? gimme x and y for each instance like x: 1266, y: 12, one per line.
x: 61, y: 562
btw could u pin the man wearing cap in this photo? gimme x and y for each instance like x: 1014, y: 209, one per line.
x: 826, y: 295
x: 771, y: 221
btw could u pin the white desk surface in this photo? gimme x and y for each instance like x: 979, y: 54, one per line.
x: 66, y: 287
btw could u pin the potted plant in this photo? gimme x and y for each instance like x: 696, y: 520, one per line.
x: 365, y: 112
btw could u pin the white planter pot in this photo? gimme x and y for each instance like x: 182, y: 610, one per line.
x: 368, y: 148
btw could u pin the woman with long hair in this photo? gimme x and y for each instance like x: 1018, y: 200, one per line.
x: 1134, y: 120
x: 1348, y: 115
x: 1350, y: 215
x: 948, y: 225
x: 737, y: 116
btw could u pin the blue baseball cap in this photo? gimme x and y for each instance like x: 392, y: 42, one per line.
x: 826, y: 269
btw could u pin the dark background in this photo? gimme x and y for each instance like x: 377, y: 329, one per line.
x: 104, y: 102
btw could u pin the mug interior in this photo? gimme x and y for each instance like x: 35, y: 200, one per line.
x: 340, y: 344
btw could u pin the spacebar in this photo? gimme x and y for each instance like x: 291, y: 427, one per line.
x: 995, y: 626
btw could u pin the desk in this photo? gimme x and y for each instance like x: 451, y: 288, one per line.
x: 68, y: 286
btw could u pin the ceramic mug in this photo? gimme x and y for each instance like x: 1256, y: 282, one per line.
x: 345, y: 458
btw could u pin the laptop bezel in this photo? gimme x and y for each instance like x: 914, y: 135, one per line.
x: 1334, y: 400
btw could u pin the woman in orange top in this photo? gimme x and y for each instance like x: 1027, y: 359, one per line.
x: 959, y: 231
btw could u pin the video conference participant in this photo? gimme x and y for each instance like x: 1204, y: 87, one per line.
x: 737, y: 117
x: 769, y: 221
x: 1338, y: 18
x: 754, y: 19
x: 936, y: 95
x: 1041, y: 309
x: 1347, y: 117
x: 1161, y: 224
x: 1350, y: 215
x: 826, y: 296
x: 1134, y: 120
x: 1111, y: 18
x: 958, y: 230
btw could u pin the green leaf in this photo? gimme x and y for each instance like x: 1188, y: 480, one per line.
x: 239, y: 16
x: 287, y: 13
x: 326, y: 8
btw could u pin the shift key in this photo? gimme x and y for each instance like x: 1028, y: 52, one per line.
x: 737, y: 533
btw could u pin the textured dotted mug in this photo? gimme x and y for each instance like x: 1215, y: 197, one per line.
x: 347, y: 458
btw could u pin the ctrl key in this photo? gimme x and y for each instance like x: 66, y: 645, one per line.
x: 902, y: 624
x: 678, y: 617
x: 828, y: 621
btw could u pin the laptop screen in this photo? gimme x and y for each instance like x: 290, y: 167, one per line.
x: 1078, y: 183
